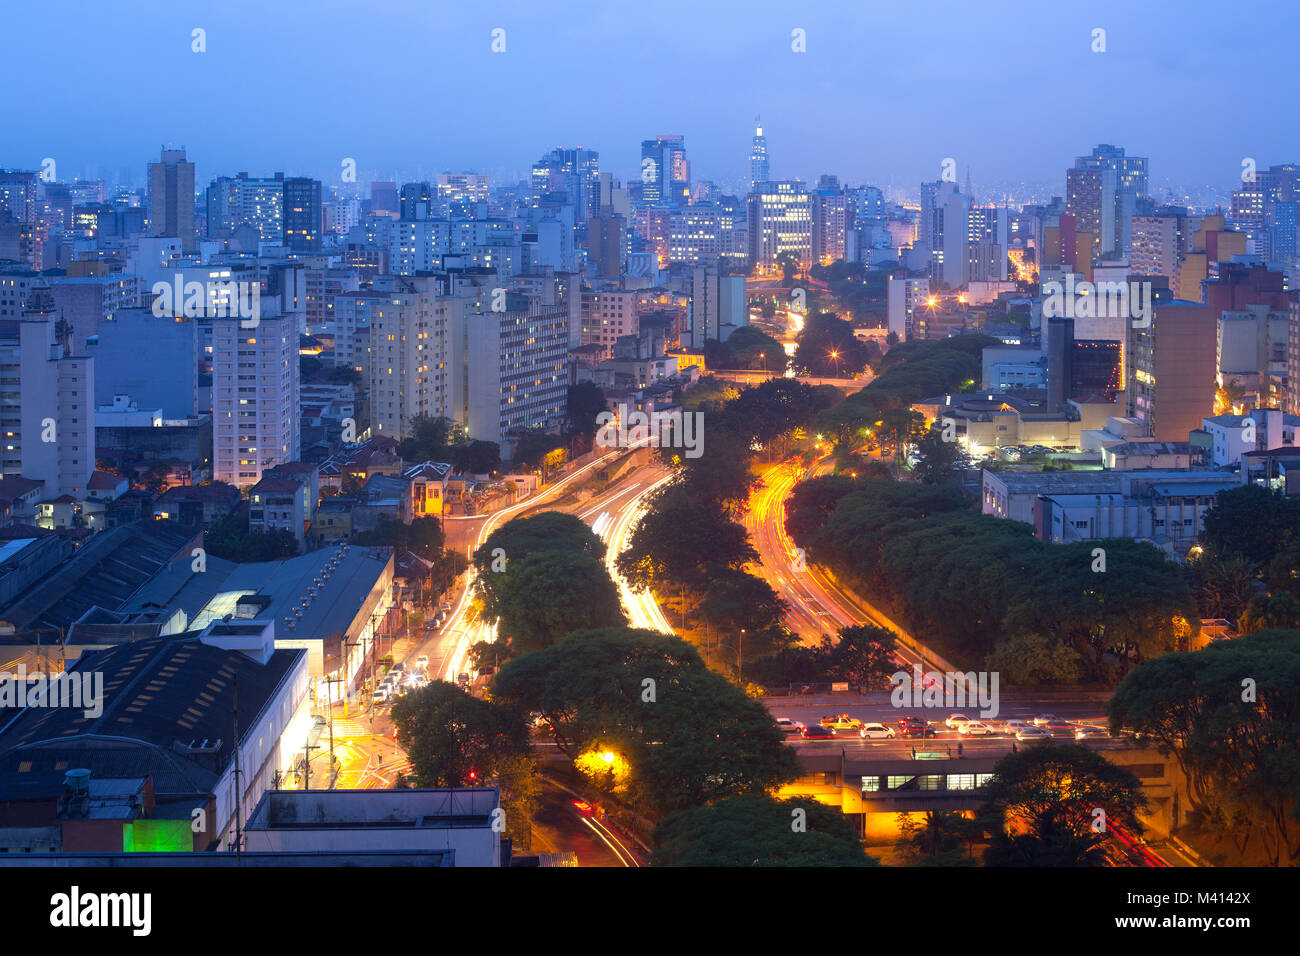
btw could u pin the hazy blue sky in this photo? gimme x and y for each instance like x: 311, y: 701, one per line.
x: 885, y: 90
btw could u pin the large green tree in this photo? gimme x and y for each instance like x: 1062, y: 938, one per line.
x: 688, y: 735
x: 545, y: 595
x: 1230, y: 715
x: 758, y: 830
x: 827, y: 347
x: 1047, y: 797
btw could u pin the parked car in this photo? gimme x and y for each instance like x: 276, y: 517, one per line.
x: 1014, y: 725
x: 974, y: 728
x: 462, y: 679
x: 788, y: 725
x: 875, y: 731
x: 382, y: 693
x: 816, y: 731
x: 841, y: 722
x: 1059, y: 728
x: 954, y: 721
x: 1083, y: 733
x: 1044, y: 718
x: 1032, y: 733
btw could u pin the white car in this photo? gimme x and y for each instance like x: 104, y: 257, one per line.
x: 875, y: 731
x: 789, y: 726
x: 954, y: 721
x: 1044, y: 719
x: 1032, y: 733
x: 1015, y: 725
x: 975, y: 728
x: 422, y: 662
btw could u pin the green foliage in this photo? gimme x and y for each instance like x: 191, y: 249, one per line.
x: 476, y: 457
x: 1222, y: 586
x: 758, y: 830
x: 584, y: 402
x: 229, y: 538
x: 449, y: 734
x: 688, y: 735
x: 736, y: 599
x: 1251, y: 523
x: 967, y: 580
x: 1230, y: 715
x: 544, y: 596
x: 1040, y: 805
x: 910, y: 371
x: 746, y: 348
x: 937, y: 838
x: 1034, y: 659
x: 680, y: 539
x: 423, y: 536
x: 861, y: 656
x: 537, y: 550
x: 938, y: 459
x: 828, y: 348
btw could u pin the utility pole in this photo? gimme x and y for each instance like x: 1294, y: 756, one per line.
x: 334, y: 680
x: 239, y: 784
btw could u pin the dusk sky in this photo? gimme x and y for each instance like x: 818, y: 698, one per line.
x: 884, y: 92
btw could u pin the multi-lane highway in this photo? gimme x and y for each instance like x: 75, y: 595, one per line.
x: 817, y: 606
x: 612, y: 512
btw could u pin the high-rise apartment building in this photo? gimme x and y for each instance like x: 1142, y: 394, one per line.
x: 255, y: 410
x: 830, y: 210
x: 171, y: 198
x: 47, y: 395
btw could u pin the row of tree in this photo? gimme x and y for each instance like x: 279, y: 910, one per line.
x: 908, y: 372
x: 690, y: 545
x: 983, y: 588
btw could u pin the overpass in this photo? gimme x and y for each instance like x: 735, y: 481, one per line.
x: 872, y: 785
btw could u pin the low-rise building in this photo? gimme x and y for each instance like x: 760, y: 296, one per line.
x: 463, y: 821
x: 1166, y: 508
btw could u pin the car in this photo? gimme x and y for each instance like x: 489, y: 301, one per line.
x: 1044, y: 719
x: 788, y: 725
x: 398, y: 667
x: 914, y: 727
x: 462, y: 679
x: 974, y: 728
x: 422, y: 662
x: 1083, y: 733
x: 816, y: 731
x: 382, y: 693
x: 841, y: 722
x: 1059, y: 728
x: 954, y: 721
x: 875, y: 731
x: 1014, y: 724
x: 1032, y: 733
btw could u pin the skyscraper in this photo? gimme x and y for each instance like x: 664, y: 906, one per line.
x: 302, y: 214
x: 665, y: 171
x: 171, y: 198
x: 780, y: 220
x: 758, y: 170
